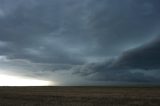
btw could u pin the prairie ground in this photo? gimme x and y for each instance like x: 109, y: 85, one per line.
x: 79, y: 96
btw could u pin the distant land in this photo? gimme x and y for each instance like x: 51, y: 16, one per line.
x: 80, y: 96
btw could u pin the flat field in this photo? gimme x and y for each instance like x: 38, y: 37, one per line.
x: 79, y: 96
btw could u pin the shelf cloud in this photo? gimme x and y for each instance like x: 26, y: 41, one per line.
x: 81, y: 42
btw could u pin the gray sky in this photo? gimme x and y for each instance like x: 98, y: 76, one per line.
x: 81, y: 42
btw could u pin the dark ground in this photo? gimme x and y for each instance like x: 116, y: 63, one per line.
x: 79, y: 96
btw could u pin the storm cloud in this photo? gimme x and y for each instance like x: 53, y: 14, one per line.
x: 132, y: 66
x: 87, y: 40
x: 145, y: 57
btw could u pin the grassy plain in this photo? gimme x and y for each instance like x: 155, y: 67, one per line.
x: 79, y: 96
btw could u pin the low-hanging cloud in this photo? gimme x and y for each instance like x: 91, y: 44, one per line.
x: 132, y: 66
x: 77, y: 36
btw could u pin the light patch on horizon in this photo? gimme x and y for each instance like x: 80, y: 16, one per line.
x: 9, y: 80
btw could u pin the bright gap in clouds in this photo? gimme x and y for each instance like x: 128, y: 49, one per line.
x: 8, y: 80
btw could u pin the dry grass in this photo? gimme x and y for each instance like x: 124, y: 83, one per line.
x: 79, y: 96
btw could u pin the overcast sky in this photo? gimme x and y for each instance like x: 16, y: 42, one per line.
x: 81, y: 42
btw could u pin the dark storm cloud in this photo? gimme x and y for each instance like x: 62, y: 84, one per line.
x: 103, y: 72
x: 145, y: 57
x: 74, y: 31
x: 130, y: 67
x: 79, y: 35
x: 33, y: 32
x: 130, y: 23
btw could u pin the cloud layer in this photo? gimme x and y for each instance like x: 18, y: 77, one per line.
x: 136, y: 65
x: 89, y: 39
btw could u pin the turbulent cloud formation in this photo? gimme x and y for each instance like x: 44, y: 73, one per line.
x: 145, y: 57
x: 84, y: 41
x: 133, y: 66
